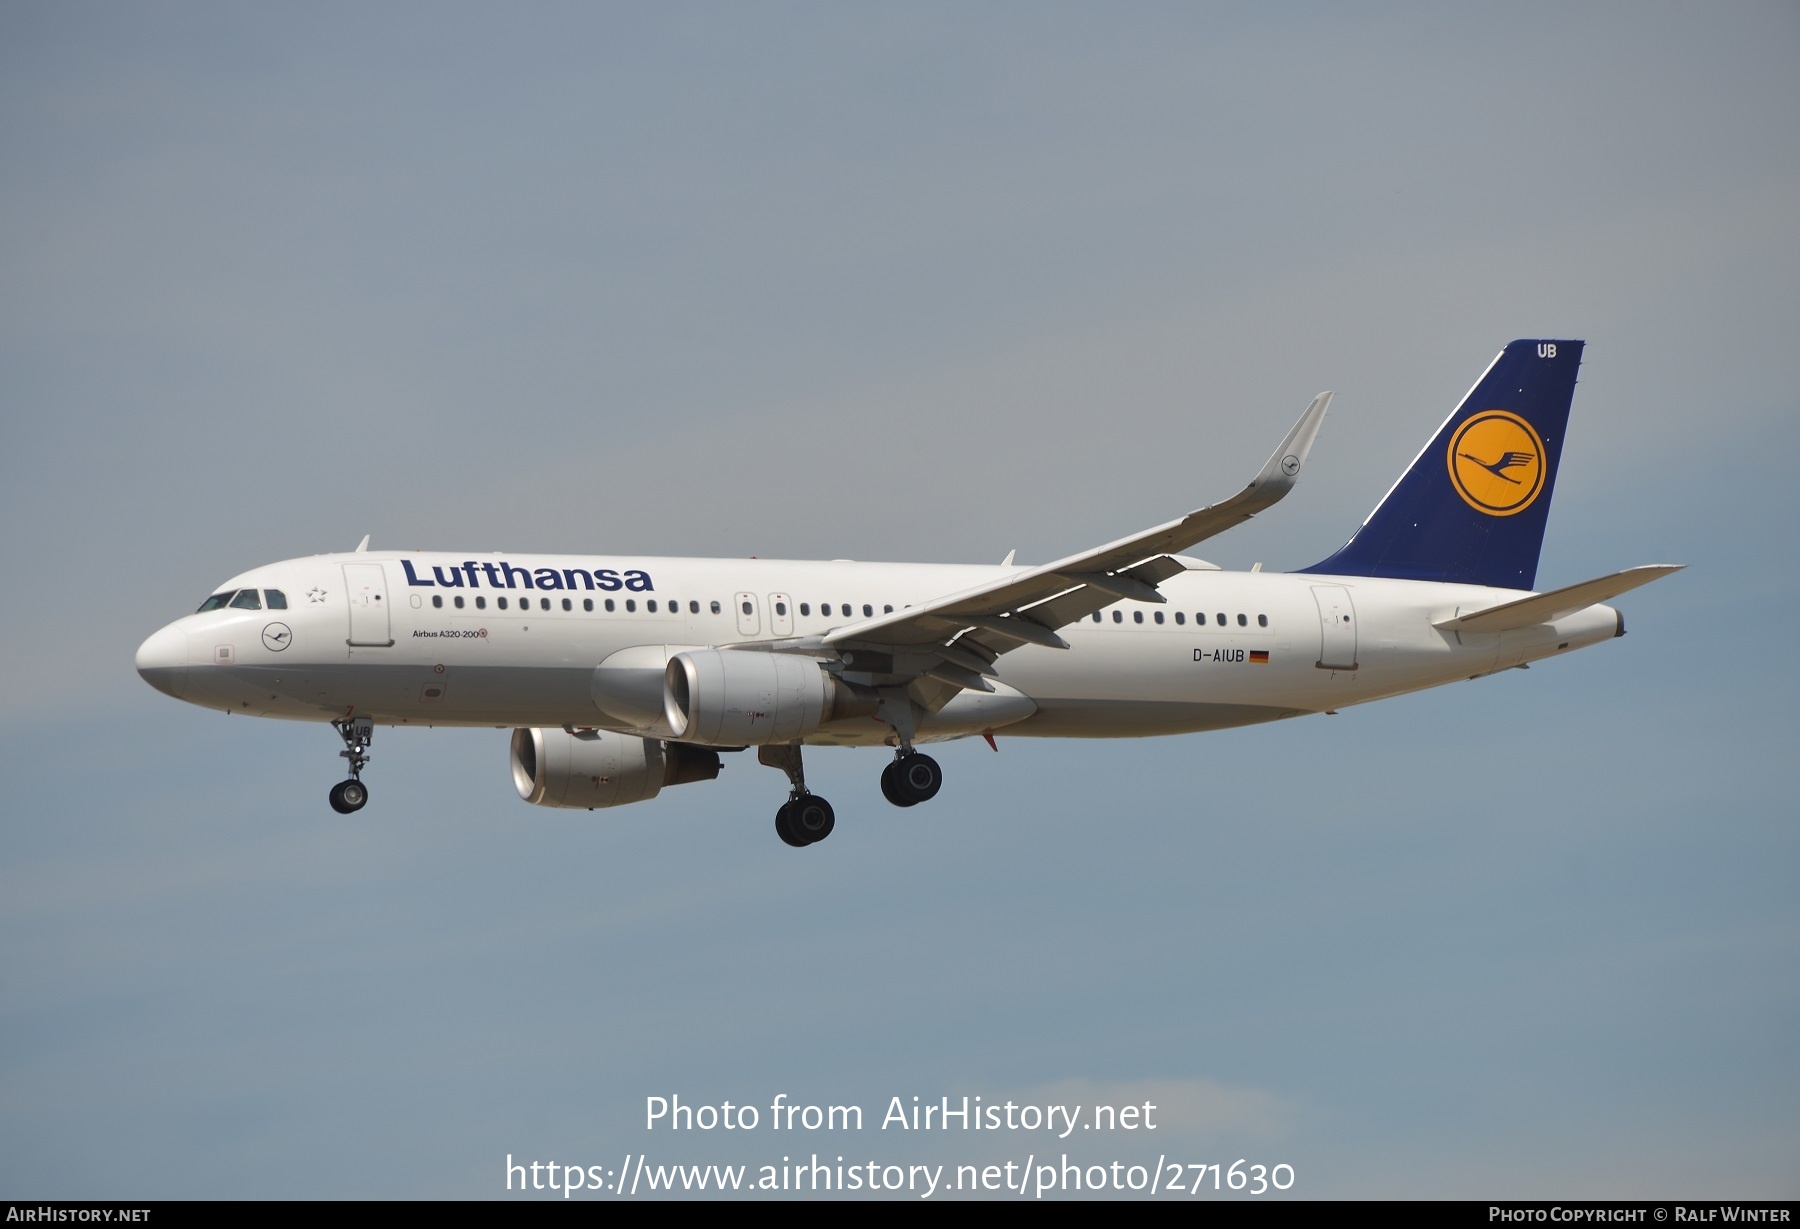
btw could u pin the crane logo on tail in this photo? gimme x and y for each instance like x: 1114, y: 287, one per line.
x: 1496, y: 463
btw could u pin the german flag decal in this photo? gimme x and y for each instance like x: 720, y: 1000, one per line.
x: 1259, y: 657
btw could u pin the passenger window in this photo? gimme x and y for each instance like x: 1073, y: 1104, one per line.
x: 650, y: 606
x: 781, y: 608
x: 1262, y: 620
x: 693, y: 607
x: 868, y: 611
x: 1118, y: 617
x: 1243, y: 622
x: 567, y: 603
x: 246, y: 600
x: 1096, y: 616
x: 1159, y: 617
x: 805, y: 609
x: 1180, y: 619
x: 458, y: 600
x: 609, y: 605
x: 500, y: 602
x: 887, y: 610
x: 716, y: 609
x: 276, y: 599
x: 437, y: 600
x: 1137, y: 616
x: 1221, y: 620
x: 481, y: 603
x: 631, y: 605
x: 544, y: 603
x: 587, y: 604
x: 748, y: 609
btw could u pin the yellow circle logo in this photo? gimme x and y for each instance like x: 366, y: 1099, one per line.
x: 1497, y: 463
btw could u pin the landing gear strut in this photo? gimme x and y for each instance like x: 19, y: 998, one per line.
x: 805, y: 818
x: 913, y: 777
x: 357, y: 733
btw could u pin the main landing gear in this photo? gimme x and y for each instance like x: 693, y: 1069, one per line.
x: 911, y: 778
x: 357, y: 733
x: 805, y: 817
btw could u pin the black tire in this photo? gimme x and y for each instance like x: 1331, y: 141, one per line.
x: 349, y: 796
x: 811, y: 817
x: 784, y: 827
x: 889, y: 789
x: 917, y: 778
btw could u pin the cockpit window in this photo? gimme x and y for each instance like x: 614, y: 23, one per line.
x: 246, y: 600
x: 215, y: 602
x: 276, y: 599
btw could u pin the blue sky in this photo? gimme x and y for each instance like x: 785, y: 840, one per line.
x: 923, y: 282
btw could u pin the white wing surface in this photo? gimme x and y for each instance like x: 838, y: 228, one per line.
x: 956, y: 638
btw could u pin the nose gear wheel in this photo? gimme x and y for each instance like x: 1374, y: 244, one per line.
x: 357, y: 732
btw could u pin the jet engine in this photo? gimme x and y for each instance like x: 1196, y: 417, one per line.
x: 596, y: 768
x: 727, y: 698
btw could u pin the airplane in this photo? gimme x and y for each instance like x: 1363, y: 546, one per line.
x: 620, y: 676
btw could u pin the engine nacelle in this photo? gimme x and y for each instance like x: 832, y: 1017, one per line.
x: 553, y: 768
x: 628, y: 686
x: 725, y: 698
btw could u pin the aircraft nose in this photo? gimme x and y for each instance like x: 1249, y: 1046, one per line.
x: 163, y: 661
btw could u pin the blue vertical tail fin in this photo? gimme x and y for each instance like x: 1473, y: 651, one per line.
x: 1471, y: 508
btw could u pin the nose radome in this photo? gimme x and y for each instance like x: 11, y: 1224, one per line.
x: 163, y: 661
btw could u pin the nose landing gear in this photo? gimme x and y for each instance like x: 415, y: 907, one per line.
x: 357, y: 732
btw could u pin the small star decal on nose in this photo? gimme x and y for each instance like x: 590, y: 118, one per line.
x: 315, y: 594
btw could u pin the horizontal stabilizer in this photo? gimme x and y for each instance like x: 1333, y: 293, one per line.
x: 1549, y: 607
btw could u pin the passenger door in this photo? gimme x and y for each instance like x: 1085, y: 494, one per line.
x: 365, y: 586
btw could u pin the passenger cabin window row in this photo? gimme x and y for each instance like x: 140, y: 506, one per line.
x: 1219, y: 619
x: 651, y: 606
x: 275, y: 599
x: 245, y: 599
x: 848, y: 611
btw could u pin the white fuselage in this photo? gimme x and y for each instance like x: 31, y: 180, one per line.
x: 514, y: 641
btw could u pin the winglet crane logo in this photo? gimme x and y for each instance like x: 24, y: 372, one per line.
x: 1497, y: 463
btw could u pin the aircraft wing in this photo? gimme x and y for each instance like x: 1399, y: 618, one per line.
x: 956, y: 638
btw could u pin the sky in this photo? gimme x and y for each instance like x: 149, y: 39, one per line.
x: 923, y: 282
